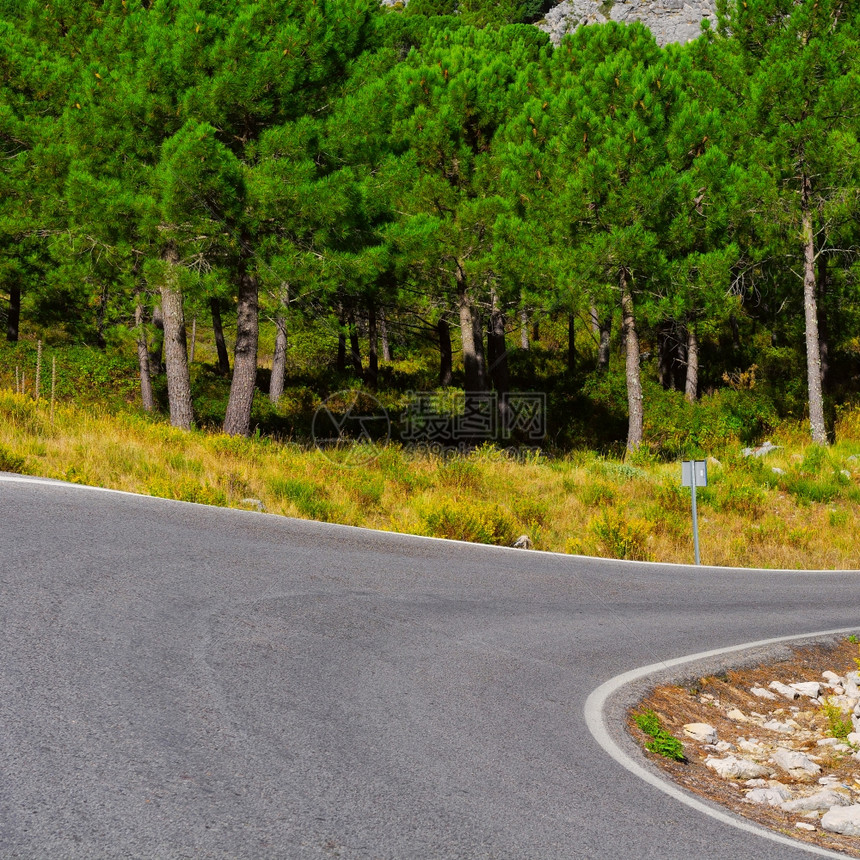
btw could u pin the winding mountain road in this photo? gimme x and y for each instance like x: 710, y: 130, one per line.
x: 181, y: 681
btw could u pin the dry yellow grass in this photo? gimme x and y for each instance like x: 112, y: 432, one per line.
x: 750, y: 515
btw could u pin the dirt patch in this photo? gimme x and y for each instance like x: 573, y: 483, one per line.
x: 711, y: 699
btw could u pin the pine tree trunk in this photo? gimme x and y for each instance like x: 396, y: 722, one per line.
x: 220, y: 343
x: 446, y: 369
x: 665, y: 352
x: 604, y: 329
x: 813, y: 354
x: 13, y: 321
x: 595, y: 321
x: 175, y: 347
x: 143, y: 358
x: 632, y: 372
x: 354, y: 345
x: 156, y: 348
x: 499, y: 364
x: 823, y: 328
x: 341, y: 340
x: 279, y: 360
x: 383, y: 335
x: 691, y: 387
x: 524, y: 329
x: 237, y: 420
x: 571, y: 343
x: 372, y: 346
x: 473, y: 352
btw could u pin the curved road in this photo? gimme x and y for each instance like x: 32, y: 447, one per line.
x: 184, y: 681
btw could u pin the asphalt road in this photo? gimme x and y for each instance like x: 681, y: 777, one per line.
x: 184, y: 681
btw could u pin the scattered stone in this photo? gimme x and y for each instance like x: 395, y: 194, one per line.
x: 776, y: 795
x: 752, y: 746
x: 842, y: 819
x: 827, y: 742
x: 523, y: 542
x: 784, y: 690
x: 845, y: 472
x: 762, y: 693
x: 761, y: 451
x: 254, y: 503
x: 777, y: 726
x: 777, y: 471
x: 701, y: 732
x: 852, y: 458
x: 713, y: 461
x: 827, y: 798
x: 850, y: 688
x: 803, y: 825
x: 733, y: 767
x: 757, y: 783
x: 812, y: 689
x: 737, y: 715
x: 795, y: 763
x: 832, y: 677
x: 853, y: 738
x: 720, y: 746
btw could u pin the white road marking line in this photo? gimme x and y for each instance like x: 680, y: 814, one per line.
x: 596, y: 722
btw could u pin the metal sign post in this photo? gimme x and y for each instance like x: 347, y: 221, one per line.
x: 694, y: 473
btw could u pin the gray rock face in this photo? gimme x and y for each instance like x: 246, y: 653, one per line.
x: 669, y: 20
x: 825, y: 799
x: 796, y: 763
x: 842, y: 819
x: 732, y: 767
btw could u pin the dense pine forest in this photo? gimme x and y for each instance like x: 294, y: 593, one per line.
x: 662, y: 241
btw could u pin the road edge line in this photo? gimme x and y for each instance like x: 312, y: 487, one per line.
x: 595, y: 719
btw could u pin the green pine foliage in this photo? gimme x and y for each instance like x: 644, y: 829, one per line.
x: 418, y: 164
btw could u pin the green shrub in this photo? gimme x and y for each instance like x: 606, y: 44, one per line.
x: 597, y: 494
x: 470, y: 522
x: 10, y: 462
x: 838, y: 725
x: 661, y: 743
x: 622, y: 538
x: 308, y: 499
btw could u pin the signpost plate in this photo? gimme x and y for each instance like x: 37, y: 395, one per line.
x: 701, y: 472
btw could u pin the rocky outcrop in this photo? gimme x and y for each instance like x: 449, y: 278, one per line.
x: 669, y: 20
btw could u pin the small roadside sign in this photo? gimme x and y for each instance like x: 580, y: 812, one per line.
x: 694, y: 473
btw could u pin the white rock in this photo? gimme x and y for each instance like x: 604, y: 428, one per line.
x: 832, y: 677
x: 853, y: 738
x: 807, y: 688
x: 827, y: 742
x: 827, y: 798
x: 773, y: 796
x: 784, y: 690
x: 702, y: 732
x: 777, y: 726
x: 802, y: 825
x: 756, y: 783
x: 850, y: 688
x: 738, y: 715
x: 762, y: 693
x: 842, y: 819
x: 752, y: 746
x: 794, y: 762
x: 855, y: 720
x: 733, y: 767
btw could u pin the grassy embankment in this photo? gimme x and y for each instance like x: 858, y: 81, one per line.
x: 750, y: 515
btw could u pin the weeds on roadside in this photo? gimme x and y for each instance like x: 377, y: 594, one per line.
x: 663, y: 743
